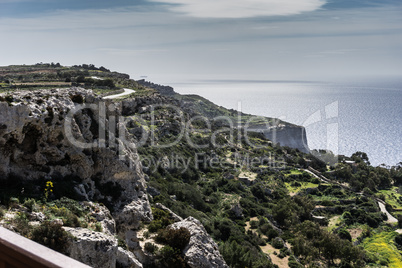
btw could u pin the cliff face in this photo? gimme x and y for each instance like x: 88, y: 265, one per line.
x: 71, y: 137
x: 288, y: 135
x: 60, y: 135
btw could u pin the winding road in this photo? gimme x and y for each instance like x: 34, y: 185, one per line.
x: 126, y: 92
x: 391, y: 219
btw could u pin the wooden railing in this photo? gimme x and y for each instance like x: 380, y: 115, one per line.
x: 17, y: 251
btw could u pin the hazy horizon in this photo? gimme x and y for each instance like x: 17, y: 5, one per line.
x: 176, y: 41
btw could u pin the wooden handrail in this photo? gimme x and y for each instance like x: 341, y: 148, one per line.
x: 17, y: 251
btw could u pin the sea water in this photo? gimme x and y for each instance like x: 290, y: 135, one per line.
x: 338, y: 117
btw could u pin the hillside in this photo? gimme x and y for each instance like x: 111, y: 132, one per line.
x: 158, y: 179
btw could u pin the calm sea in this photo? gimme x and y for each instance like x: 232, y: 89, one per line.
x: 341, y: 118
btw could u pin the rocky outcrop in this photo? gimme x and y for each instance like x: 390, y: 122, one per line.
x: 126, y: 259
x: 201, y: 251
x: 92, y: 248
x: 98, y: 249
x: 132, y: 214
x: 75, y: 140
x: 103, y: 216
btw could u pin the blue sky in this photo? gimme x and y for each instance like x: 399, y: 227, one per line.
x: 180, y: 40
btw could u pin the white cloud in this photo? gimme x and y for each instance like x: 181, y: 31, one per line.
x: 242, y: 8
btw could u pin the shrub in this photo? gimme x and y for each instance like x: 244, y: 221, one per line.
x: 293, y: 263
x: 69, y: 218
x: 253, y: 224
x: 13, y: 202
x: 30, y: 204
x: 21, y: 224
x: 146, y: 234
x: 315, y: 180
x: 176, y: 238
x: 170, y: 258
x: 327, y: 203
x: 121, y: 243
x: 272, y: 234
x: 72, y: 205
x: 161, y: 220
x: 398, y: 240
x: 278, y: 243
x: 98, y: 227
x: 150, y: 247
x: 51, y: 235
x: 282, y: 254
x: 344, y: 234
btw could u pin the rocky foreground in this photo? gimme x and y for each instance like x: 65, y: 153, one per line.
x: 36, y: 146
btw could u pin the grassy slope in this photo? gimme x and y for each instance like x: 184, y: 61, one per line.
x: 382, y: 247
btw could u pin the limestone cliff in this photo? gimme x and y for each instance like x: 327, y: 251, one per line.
x: 288, y: 135
x: 60, y: 135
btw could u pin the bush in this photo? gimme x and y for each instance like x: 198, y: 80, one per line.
x: 51, y: 235
x: 176, y: 238
x: 327, y: 203
x: 30, y: 204
x: 278, y: 243
x: 146, y: 234
x: 253, y: 224
x: 21, y: 224
x: 171, y: 258
x: 161, y: 220
x: 272, y: 234
x: 294, y: 264
x: 98, y: 227
x: 150, y: 247
x: 315, y: 180
x: 344, y: 234
x: 121, y: 243
x: 398, y: 240
x: 13, y: 202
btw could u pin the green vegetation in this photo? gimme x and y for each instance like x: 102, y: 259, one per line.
x: 51, y: 235
x: 391, y: 196
x: 50, y: 216
x: 295, y: 187
x: 247, y: 197
x: 51, y: 75
x: 382, y: 250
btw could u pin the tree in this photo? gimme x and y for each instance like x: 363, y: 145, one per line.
x: 81, y: 79
x: 360, y: 157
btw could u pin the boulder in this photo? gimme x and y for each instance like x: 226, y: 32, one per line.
x: 93, y: 248
x: 102, y: 215
x: 201, y: 251
x: 132, y: 214
x: 126, y: 259
x: 37, y: 216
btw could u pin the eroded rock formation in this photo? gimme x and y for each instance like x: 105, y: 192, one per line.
x: 74, y: 139
x: 201, y: 251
